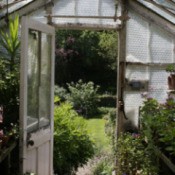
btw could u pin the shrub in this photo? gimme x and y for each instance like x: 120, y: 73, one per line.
x: 61, y: 93
x: 104, y: 166
x: 133, y: 157
x: 83, y: 97
x: 72, y: 145
x: 158, y: 125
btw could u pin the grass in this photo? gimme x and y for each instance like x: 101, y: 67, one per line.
x: 96, y: 130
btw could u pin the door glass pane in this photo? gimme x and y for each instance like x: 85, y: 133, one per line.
x: 33, y: 80
x: 45, y: 80
x: 39, y: 80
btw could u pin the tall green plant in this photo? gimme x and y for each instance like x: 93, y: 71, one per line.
x: 9, y: 69
x: 10, y: 42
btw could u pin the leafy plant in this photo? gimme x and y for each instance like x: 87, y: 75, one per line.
x: 158, y: 124
x: 72, y: 145
x: 104, y: 166
x: 9, y: 71
x: 9, y: 86
x: 133, y: 158
x: 170, y: 68
x: 10, y: 42
x: 61, y: 93
x: 83, y: 97
x: 110, y: 126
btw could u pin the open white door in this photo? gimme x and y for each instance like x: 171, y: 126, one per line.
x: 36, y: 97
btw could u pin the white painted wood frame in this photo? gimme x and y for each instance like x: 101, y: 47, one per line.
x: 43, y: 138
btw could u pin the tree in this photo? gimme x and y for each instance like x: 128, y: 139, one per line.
x: 86, y: 55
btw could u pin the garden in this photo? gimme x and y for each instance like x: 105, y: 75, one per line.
x: 85, y: 70
x: 85, y: 110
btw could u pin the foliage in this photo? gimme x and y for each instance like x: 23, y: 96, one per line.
x: 10, y: 41
x: 108, y: 45
x: 86, y: 55
x: 104, y: 166
x: 110, y: 126
x: 72, y: 145
x: 83, y: 96
x: 133, y: 158
x: 158, y: 124
x: 9, y: 71
x: 61, y: 93
x: 170, y: 68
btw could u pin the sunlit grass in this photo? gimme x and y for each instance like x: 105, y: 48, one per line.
x: 96, y: 130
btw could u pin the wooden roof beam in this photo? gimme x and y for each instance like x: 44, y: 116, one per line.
x: 82, y: 26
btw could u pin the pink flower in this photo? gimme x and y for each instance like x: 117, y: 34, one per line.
x: 1, y: 133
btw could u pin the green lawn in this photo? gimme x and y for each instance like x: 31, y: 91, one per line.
x: 96, y: 130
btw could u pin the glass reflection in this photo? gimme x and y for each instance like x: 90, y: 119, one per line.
x: 39, y: 83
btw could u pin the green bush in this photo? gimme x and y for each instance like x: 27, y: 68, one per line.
x: 61, y: 93
x: 83, y: 97
x: 133, y: 157
x: 158, y: 125
x: 104, y: 166
x: 72, y: 145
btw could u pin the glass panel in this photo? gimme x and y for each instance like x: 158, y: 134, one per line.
x: 159, y: 10
x: 45, y: 82
x: 39, y: 80
x: 33, y: 80
x: 84, y: 8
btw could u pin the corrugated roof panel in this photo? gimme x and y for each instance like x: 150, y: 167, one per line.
x: 163, y: 8
x: 97, y: 8
x: 12, y: 5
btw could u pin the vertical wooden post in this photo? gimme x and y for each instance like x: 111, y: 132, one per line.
x: 49, y: 9
x: 121, y: 69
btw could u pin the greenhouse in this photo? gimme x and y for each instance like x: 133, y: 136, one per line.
x: 146, y: 30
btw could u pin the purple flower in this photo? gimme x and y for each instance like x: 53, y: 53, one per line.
x: 135, y: 135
